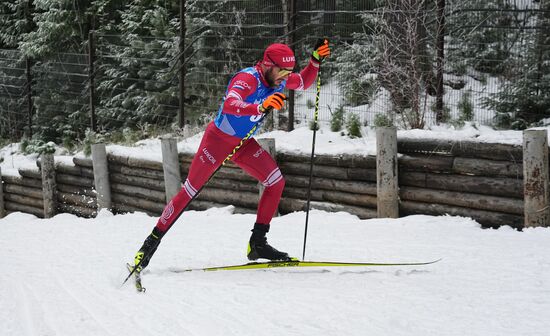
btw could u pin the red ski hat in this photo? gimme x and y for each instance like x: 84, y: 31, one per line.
x: 280, y: 55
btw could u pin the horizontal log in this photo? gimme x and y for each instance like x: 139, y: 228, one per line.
x: 341, y: 160
x: 137, y: 204
x: 77, y: 190
x: 358, y: 187
x: 486, y: 167
x: 74, y: 180
x: 468, y: 200
x: 137, y: 181
x: 77, y: 210
x: 152, y: 206
x: 84, y: 162
x: 22, y: 181
x: 145, y: 163
x: 119, y: 208
x: 472, y: 149
x: 79, y: 200
x: 496, y: 186
x: 133, y: 171
x: 337, y: 197
x: 24, y: 191
x: 145, y: 193
x: 230, y: 197
x: 134, y: 162
x: 362, y: 174
x: 485, y: 218
x: 185, y: 160
x: 303, y: 168
x: 29, y: 201
x: 14, y: 206
x: 205, y: 205
x: 426, y: 163
x: 233, y: 185
x: 30, y: 173
x: 226, y: 173
x: 74, y: 170
x: 288, y: 205
x: 185, y: 157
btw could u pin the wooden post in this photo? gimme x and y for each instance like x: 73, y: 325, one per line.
x: 2, y: 206
x: 535, y: 178
x: 101, y: 176
x: 170, y: 165
x: 387, y: 187
x: 48, y: 184
x: 267, y: 144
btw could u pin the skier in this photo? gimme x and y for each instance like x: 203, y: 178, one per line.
x: 251, y: 93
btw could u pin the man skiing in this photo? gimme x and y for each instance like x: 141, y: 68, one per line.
x: 251, y: 93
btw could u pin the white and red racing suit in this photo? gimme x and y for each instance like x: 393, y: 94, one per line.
x: 237, y: 115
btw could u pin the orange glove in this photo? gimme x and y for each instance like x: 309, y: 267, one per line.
x: 321, y: 50
x: 275, y: 101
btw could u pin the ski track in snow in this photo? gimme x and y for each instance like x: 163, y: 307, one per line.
x: 62, y: 277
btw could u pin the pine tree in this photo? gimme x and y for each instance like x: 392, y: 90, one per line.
x: 481, y: 34
x: 15, y: 21
x: 524, y: 97
x: 135, y: 83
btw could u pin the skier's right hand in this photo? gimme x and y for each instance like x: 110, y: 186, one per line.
x: 275, y: 101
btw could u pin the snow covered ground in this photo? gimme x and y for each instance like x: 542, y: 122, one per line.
x: 62, y: 276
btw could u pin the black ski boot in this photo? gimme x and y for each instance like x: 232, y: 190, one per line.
x: 259, y: 248
x: 148, y: 249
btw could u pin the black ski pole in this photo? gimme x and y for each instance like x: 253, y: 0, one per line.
x: 315, y: 117
x: 247, y: 136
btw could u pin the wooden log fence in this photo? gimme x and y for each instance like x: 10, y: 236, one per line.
x: 23, y: 193
x: 136, y: 184
x: 478, y: 180
x: 75, y: 188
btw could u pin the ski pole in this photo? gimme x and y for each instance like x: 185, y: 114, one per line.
x: 246, y: 137
x: 315, y: 117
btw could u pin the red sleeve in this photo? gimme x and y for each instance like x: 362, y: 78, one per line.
x: 240, y: 87
x: 304, y: 79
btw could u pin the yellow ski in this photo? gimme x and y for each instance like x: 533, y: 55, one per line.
x: 298, y: 263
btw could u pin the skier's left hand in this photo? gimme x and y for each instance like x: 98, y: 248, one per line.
x: 321, y: 50
x: 275, y: 101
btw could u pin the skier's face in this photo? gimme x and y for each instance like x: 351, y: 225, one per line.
x: 275, y: 76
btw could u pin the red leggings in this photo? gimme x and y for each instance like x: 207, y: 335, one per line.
x: 251, y: 157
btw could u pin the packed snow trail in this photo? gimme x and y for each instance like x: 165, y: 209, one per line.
x: 61, y: 276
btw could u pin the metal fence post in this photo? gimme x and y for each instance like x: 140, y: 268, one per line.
x: 101, y: 176
x: 290, y: 29
x: 91, y: 75
x: 48, y: 184
x: 387, y: 187
x: 181, y: 49
x: 170, y: 166
x: 535, y: 178
x: 28, y: 66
